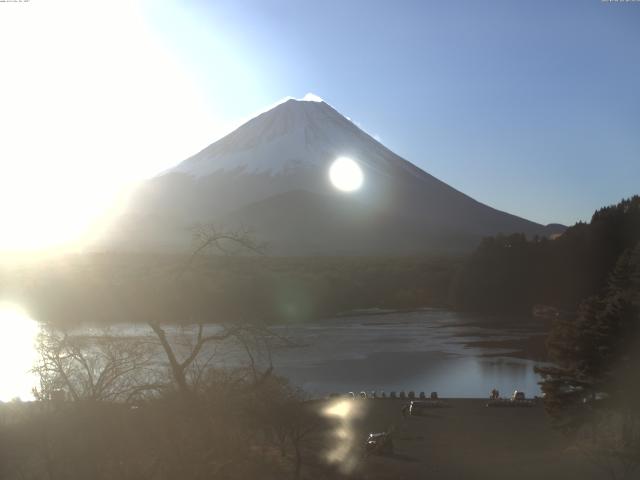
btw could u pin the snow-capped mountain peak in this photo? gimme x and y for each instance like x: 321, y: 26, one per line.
x: 293, y: 132
x: 272, y: 175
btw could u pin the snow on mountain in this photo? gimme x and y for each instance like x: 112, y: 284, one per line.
x: 271, y: 174
x: 294, y: 133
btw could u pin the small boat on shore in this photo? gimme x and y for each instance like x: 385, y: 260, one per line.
x: 518, y: 399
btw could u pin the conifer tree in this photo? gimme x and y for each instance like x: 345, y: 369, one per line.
x: 596, y: 351
x: 593, y: 391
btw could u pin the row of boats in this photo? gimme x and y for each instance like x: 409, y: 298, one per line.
x: 517, y: 399
x: 375, y: 395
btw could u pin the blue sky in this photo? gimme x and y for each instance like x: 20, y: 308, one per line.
x: 530, y: 106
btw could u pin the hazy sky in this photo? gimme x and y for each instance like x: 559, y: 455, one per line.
x: 529, y: 106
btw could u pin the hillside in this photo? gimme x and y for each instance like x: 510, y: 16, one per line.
x: 271, y: 175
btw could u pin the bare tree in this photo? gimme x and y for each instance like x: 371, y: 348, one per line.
x: 250, y: 335
x: 211, y: 239
x: 103, y: 367
x: 180, y: 368
x: 288, y: 420
x: 302, y: 423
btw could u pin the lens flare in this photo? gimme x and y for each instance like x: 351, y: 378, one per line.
x: 339, y: 409
x: 344, y: 451
x: 345, y: 174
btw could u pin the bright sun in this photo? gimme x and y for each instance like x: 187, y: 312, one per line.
x: 89, y: 102
x: 345, y: 174
x: 18, y: 333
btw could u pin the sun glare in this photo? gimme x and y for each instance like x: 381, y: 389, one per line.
x: 339, y: 409
x: 344, y: 450
x: 17, y: 353
x: 91, y: 101
x: 345, y: 174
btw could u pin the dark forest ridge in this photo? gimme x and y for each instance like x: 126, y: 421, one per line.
x: 511, y: 273
x: 271, y: 175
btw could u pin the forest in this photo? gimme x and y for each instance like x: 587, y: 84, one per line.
x: 590, y: 275
x: 103, y: 289
x: 506, y: 274
x: 510, y: 273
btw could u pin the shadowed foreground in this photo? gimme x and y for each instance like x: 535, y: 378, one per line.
x: 165, y: 441
x: 467, y: 440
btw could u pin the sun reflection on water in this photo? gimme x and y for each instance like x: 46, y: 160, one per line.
x: 18, y: 354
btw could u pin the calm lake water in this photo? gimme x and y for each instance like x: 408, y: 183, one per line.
x: 421, y: 351
x: 424, y: 350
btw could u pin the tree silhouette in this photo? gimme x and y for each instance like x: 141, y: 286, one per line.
x: 593, y: 392
x: 512, y: 274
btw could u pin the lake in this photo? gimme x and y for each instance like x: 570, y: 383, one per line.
x: 455, y: 354
x: 426, y: 350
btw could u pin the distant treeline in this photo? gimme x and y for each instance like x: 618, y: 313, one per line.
x: 504, y: 274
x: 302, y: 289
x: 111, y: 288
x: 512, y: 273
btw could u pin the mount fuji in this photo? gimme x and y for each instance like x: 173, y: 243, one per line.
x: 271, y: 176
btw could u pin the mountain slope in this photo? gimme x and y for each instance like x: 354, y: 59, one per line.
x: 271, y: 174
